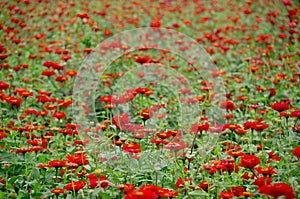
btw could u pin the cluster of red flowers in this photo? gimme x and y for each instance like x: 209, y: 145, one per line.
x: 147, y: 191
x: 38, y: 66
x: 277, y: 190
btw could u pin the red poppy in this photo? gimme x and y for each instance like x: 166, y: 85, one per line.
x: 249, y: 161
x: 74, y: 186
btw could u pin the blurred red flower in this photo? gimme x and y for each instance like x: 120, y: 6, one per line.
x: 59, y: 115
x: 57, y: 163
x: 131, y: 147
x: 249, y: 161
x: 279, y: 106
x: 57, y: 191
x: 296, y: 152
x: 277, y: 190
x: 75, y: 186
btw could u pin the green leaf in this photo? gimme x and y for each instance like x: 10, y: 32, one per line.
x: 35, y: 173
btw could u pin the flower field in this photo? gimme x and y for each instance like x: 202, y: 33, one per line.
x: 149, y: 99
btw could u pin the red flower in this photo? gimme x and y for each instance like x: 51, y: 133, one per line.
x: 25, y: 94
x: 260, y: 126
x: 249, y: 161
x: 78, y: 158
x: 71, y: 73
x: 2, y: 135
x: 195, y: 128
x: 140, y: 90
x: 235, y: 153
x: 180, y: 184
x: 261, y: 181
x: 74, y: 186
x: 226, y: 194
x: 107, y: 99
x: 146, y: 114
x: 94, y: 182
x: 204, y: 185
x: 265, y: 171
x: 166, y: 193
x: 142, y: 60
x: 64, y: 103
x: 59, y: 115
x: 141, y: 194
x: 272, y: 92
x: 48, y: 73
x: 83, y: 15
x: 57, y: 163
x: 273, y: 156
x: 296, y: 152
x: 232, y: 127
x: 295, y: 113
x: 164, y: 135
x: 251, y: 125
x: 155, y: 23
x: 3, y: 85
x: 279, y: 106
x: 131, y: 147
x: 228, y: 105
x: 237, y: 191
x: 61, y: 78
x: 57, y: 191
x: 277, y: 190
x: 13, y: 101
x: 127, y: 187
